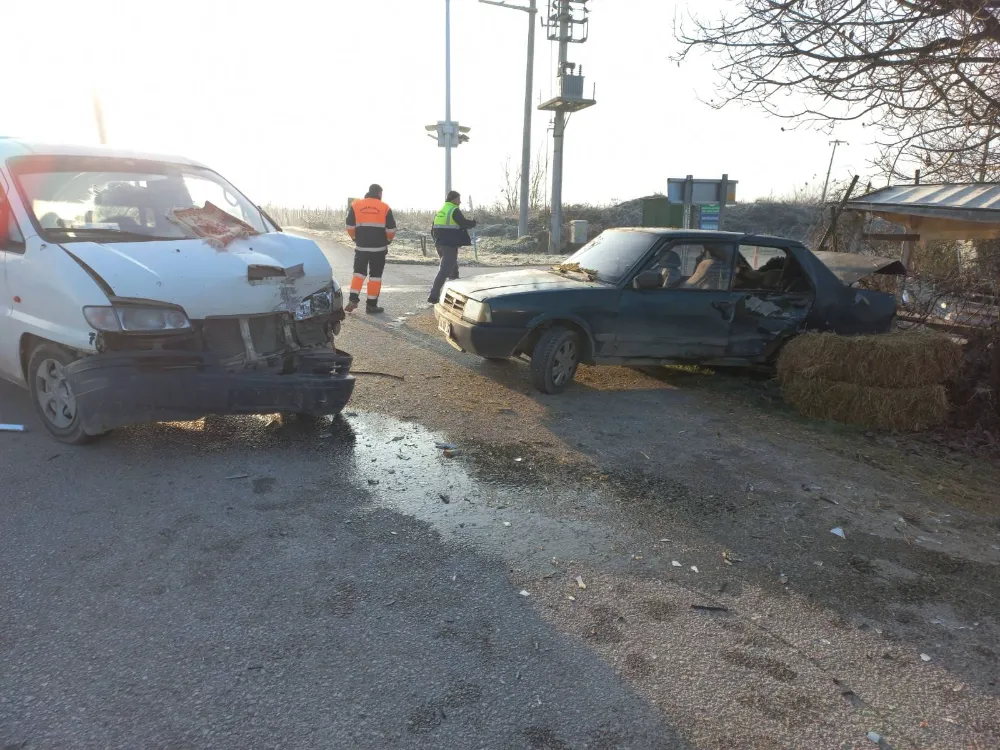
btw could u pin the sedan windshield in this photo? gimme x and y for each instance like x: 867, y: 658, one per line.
x: 609, y: 256
x: 102, y: 199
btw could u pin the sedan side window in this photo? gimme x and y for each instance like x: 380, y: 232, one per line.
x: 690, y: 265
x: 768, y: 269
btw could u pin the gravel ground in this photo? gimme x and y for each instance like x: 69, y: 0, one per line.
x: 822, y: 638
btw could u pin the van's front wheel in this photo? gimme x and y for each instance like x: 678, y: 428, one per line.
x: 52, y: 395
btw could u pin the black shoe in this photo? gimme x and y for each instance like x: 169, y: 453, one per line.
x: 374, y: 309
x: 432, y: 300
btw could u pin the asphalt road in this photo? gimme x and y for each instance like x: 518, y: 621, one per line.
x: 236, y: 585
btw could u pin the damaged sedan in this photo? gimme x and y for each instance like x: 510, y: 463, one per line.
x: 664, y: 296
x: 138, y: 288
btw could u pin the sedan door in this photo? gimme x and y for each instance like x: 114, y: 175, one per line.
x: 690, y: 315
x: 773, y: 296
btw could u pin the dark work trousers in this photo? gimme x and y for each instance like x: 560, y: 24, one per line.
x: 448, y: 269
x: 372, y: 265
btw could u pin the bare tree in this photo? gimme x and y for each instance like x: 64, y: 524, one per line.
x: 925, y: 73
x: 536, y: 195
x: 510, y: 188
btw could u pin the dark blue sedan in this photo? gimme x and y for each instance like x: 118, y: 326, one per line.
x: 652, y: 296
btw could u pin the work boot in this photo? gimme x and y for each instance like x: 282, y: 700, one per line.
x: 374, y: 309
x: 352, y: 305
x: 432, y: 300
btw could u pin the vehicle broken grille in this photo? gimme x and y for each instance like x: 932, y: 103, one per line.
x: 455, y: 302
x: 223, y: 338
x: 266, y: 334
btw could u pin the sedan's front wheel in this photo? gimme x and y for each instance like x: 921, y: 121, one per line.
x: 555, y: 359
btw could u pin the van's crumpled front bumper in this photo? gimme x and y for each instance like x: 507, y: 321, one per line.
x: 122, y: 388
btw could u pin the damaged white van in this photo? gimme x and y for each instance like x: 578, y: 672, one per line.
x: 137, y: 288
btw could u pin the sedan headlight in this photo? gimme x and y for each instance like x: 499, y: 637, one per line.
x: 477, y: 312
x: 322, y: 302
x: 135, y: 319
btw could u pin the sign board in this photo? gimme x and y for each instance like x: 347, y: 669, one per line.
x: 709, y: 216
x: 702, y: 191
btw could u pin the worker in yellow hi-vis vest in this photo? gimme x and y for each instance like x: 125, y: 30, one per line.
x: 450, y: 232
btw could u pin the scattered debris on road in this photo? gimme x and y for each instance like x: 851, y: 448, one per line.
x: 925, y: 657
x: 506, y: 523
x: 450, y: 453
x: 676, y: 564
x: 444, y: 498
x: 694, y: 568
x: 728, y: 558
x: 12, y: 428
x: 709, y: 608
x: 378, y: 374
x: 446, y: 446
x: 525, y: 592
x: 579, y: 582
x: 875, y: 737
x: 238, y: 476
x: 837, y: 531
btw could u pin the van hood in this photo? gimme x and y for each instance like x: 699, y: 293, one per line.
x: 517, y: 282
x: 262, y: 274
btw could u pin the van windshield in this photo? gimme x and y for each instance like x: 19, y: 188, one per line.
x: 86, y: 199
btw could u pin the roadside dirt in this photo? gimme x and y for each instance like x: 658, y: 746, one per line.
x: 820, y: 638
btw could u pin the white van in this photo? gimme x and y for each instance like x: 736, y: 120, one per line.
x: 113, y: 311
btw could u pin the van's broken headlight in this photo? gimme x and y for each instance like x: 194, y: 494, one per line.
x: 136, y: 319
x: 320, y: 303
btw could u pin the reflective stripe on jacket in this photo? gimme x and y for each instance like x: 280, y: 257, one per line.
x: 371, y: 225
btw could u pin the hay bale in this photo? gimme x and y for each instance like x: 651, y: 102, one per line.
x: 890, y: 360
x: 901, y: 409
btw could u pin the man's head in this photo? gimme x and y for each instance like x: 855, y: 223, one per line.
x: 454, y: 197
x: 374, y: 191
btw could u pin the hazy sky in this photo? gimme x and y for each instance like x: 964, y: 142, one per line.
x: 307, y: 103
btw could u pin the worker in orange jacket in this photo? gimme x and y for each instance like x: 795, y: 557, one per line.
x: 371, y: 225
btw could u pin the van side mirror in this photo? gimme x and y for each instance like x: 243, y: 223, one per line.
x: 649, y: 280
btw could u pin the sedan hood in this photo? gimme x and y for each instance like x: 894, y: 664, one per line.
x: 850, y: 268
x: 517, y: 282
x: 263, y: 274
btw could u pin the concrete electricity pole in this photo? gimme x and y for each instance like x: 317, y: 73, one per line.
x: 447, y: 94
x: 531, y: 10
x: 830, y: 168
x: 567, y: 22
x: 99, y: 118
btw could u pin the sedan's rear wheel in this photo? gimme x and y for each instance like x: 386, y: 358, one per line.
x: 555, y: 359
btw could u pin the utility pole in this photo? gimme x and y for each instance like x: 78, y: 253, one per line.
x: 567, y: 22
x: 830, y: 168
x: 447, y: 95
x: 99, y: 118
x: 524, y: 205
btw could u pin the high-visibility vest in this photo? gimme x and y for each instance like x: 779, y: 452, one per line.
x: 446, y: 216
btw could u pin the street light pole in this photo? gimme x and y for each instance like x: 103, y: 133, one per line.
x: 447, y: 95
x: 525, y: 197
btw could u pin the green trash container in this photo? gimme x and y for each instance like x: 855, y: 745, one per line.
x: 657, y: 211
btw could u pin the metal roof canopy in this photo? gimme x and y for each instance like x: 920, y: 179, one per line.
x: 937, y: 212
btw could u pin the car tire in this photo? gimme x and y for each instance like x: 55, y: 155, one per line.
x: 51, y: 395
x: 555, y: 359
